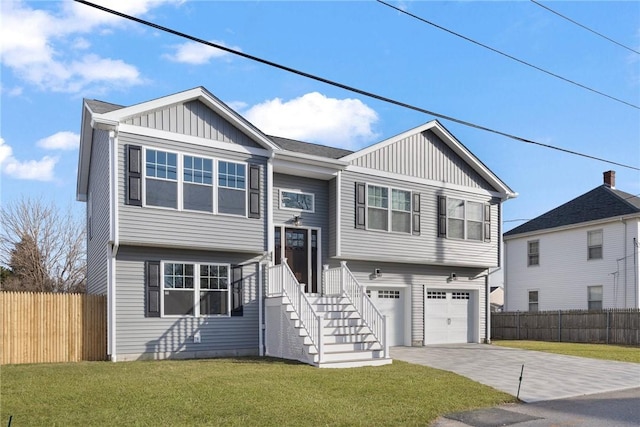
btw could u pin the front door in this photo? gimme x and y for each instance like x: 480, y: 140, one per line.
x: 300, y: 254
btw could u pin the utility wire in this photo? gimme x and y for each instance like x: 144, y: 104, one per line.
x: 584, y: 26
x: 528, y: 64
x: 346, y: 87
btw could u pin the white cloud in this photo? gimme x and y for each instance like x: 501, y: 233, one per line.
x: 197, y: 53
x: 314, y: 117
x: 37, y: 170
x: 35, y: 44
x: 64, y: 140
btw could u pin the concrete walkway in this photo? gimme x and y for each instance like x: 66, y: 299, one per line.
x: 546, y: 376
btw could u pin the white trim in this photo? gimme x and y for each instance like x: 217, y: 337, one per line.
x: 269, y: 209
x: 439, y: 185
x: 194, y: 140
x: 389, y: 209
x: 288, y: 190
x: 419, y: 261
x: 112, y: 249
x: 339, y: 214
x: 111, y: 303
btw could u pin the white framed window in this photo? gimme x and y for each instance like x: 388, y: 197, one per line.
x: 464, y: 220
x: 161, y: 178
x: 389, y: 209
x: 232, y: 188
x: 594, y: 297
x: 594, y: 244
x: 297, y: 200
x: 197, y: 187
x: 195, y: 289
x: 533, y: 300
x: 388, y: 294
x: 533, y: 253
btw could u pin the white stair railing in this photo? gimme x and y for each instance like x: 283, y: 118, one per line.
x: 340, y: 280
x: 282, y: 282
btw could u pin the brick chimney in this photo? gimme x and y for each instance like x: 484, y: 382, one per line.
x: 610, y: 179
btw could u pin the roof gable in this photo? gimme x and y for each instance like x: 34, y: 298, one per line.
x: 600, y: 203
x: 429, y: 152
x: 310, y: 148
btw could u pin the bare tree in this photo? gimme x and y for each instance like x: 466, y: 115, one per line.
x: 43, y: 247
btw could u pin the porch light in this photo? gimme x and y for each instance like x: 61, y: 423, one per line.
x: 297, y: 220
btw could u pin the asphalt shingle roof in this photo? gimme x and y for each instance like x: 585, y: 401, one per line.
x: 600, y: 203
x: 309, y: 148
x: 101, y: 107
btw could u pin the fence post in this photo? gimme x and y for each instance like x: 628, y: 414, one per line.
x: 608, y: 324
x: 518, y: 325
x: 559, y: 325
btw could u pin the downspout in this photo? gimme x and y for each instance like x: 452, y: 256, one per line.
x: 269, y: 254
x: 338, y: 214
x: 625, y: 263
x: 487, y: 312
x: 113, y: 249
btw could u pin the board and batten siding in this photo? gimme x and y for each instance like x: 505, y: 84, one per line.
x: 564, y: 272
x: 319, y: 218
x: 426, y: 247
x: 152, y: 226
x: 140, y: 337
x: 423, y: 155
x: 97, y: 214
x: 195, y: 119
x: 414, y: 279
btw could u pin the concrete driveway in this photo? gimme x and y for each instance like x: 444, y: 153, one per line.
x: 546, y: 376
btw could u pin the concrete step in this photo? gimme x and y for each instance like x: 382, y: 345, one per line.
x: 352, y: 355
x: 355, y: 363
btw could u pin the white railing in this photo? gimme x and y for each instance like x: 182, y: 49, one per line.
x: 340, y: 280
x: 282, y: 282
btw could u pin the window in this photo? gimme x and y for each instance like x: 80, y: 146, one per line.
x: 378, y: 205
x: 161, y: 170
x: 533, y: 253
x: 297, y: 200
x: 401, y: 211
x: 460, y: 219
x: 594, y: 297
x: 232, y: 188
x: 191, y: 289
x: 533, y: 300
x: 594, y: 244
x: 198, y: 184
x: 388, y: 294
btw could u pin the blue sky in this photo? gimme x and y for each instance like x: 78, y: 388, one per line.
x: 55, y: 53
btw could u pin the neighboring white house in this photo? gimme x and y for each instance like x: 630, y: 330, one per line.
x: 581, y: 255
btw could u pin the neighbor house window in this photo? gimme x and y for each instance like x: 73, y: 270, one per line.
x: 533, y: 252
x: 191, y: 289
x: 198, y: 184
x: 232, y: 197
x: 594, y: 244
x: 533, y: 300
x: 296, y: 200
x: 594, y: 297
x: 161, y: 184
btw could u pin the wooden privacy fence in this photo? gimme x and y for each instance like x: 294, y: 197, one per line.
x: 615, y: 326
x: 49, y: 327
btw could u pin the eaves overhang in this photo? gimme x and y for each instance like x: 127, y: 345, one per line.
x: 300, y: 164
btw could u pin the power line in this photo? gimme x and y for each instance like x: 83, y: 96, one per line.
x: 584, y: 26
x: 346, y: 87
x: 528, y: 64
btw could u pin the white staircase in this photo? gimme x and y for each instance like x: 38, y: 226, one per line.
x: 346, y: 339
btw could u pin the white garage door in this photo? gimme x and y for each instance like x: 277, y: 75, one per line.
x: 390, y: 302
x: 446, y: 317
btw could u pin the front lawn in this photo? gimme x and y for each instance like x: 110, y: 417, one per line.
x: 594, y: 351
x: 232, y: 392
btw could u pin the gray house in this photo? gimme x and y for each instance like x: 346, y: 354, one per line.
x: 211, y: 238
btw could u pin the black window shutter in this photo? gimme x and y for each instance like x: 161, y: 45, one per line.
x: 133, y: 187
x: 416, y: 214
x: 361, y: 204
x: 254, y: 191
x: 487, y: 223
x: 236, y: 290
x: 152, y: 285
x: 442, y: 216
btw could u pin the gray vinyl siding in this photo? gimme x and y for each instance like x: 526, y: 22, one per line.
x: 151, y: 226
x: 138, y: 336
x: 195, y: 119
x: 424, y: 156
x: 416, y: 278
x: 319, y: 218
x: 98, y: 222
x: 424, y: 248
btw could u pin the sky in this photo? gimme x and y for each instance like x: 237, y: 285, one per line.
x: 55, y: 53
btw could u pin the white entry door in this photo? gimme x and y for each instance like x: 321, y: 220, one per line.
x: 447, y: 317
x: 390, y: 302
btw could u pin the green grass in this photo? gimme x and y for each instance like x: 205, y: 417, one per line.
x: 594, y: 351
x: 235, y: 392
